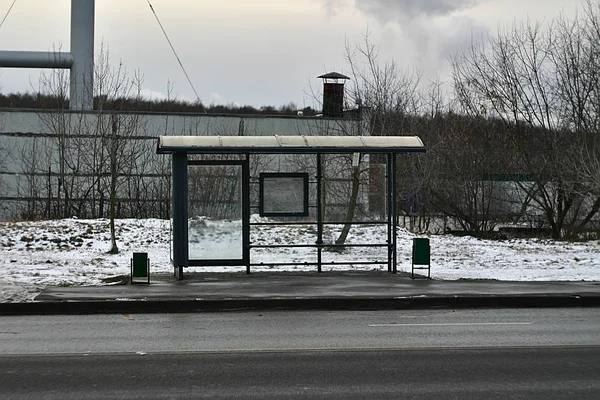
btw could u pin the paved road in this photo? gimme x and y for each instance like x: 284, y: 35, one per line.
x: 299, y: 330
x: 526, y: 353
x: 544, y: 373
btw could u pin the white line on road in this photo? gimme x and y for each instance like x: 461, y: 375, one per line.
x: 455, y: 324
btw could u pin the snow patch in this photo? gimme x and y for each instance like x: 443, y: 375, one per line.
x: 71, y: 252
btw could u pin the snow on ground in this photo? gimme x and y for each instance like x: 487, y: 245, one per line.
x: 35, y: 255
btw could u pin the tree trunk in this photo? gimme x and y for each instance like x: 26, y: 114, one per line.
x: 351, y: 207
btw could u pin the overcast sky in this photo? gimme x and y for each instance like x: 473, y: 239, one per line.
x: 262, y: 52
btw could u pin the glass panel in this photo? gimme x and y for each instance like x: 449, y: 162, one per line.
x: 284, y: 194
x: 215, y: 212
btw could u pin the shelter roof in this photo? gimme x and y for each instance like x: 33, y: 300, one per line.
x: 289, y: 144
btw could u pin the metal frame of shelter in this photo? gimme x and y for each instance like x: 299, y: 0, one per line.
x: 245, y: 146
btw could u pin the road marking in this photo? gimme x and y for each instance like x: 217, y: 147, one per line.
x: 455, y: 324
x: 129, y: 317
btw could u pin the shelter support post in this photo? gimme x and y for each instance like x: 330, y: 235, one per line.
x: 246, y: 211
x: 394, y: 215
x: 389, y: 207
x: 320, y: 202
x: 180, y: 213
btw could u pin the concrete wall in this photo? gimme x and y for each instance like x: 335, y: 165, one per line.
x: 43, y: 153
x: 155, y: 124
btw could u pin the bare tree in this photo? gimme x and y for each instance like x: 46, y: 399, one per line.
x: 119, y: 133
x: 96, y: 152
x: 388, y: 91
x: 576, y: 57
x: 384, y: 93
x: 526, y: 77
x: 451, y: 178
x: 463, y: 180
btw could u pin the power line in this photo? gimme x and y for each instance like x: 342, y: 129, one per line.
x: 174, y: 52
x: 8, y: 12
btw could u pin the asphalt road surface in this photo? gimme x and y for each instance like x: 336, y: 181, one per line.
x: 524, y: 353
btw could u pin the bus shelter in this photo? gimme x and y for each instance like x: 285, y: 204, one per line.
x: 283, y: 198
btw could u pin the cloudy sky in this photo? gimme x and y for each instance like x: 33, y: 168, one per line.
x: 262, y: 52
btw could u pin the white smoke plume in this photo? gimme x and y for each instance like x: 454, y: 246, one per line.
x: 401, y: 9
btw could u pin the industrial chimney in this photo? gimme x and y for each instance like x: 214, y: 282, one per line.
x: 333, y: 94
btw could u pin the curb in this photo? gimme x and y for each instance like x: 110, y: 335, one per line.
x: 300, y: 304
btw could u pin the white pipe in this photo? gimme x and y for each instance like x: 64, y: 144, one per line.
x: 35, y: 59
x: 82, y: 49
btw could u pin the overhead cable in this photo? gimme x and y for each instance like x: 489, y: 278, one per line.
x: 8, y: 12
x: 174, y: 52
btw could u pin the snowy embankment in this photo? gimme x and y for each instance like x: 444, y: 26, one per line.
x: 34, y: 255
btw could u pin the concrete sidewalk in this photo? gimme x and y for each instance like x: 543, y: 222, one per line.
x: 303, y: 291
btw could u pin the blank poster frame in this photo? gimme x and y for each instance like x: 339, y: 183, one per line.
x: 284, y: 176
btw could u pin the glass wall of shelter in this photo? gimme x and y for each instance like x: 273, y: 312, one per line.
x: 284, y: 201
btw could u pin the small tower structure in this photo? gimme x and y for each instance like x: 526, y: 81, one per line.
x: 333, y: 94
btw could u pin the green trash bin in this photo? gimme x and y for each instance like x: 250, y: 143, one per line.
x: 421, y: 256
x: 140, y: 268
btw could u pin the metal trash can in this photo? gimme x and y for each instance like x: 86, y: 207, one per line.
x: 421, y: 256
x: 140, y: 268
